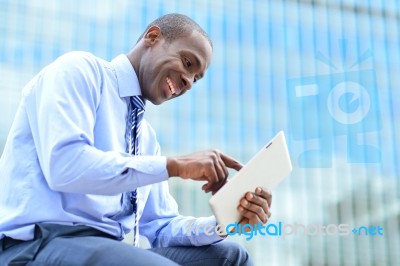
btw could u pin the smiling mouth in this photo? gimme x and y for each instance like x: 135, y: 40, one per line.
x: 171, y: 86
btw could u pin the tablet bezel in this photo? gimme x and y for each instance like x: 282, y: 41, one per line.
x: 272, y: 165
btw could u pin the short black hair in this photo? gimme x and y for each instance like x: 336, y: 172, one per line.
x: 175, y: 25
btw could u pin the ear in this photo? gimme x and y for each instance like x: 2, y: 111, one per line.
x: 153, y: 34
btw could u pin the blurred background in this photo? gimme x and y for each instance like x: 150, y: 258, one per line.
x: 325, y: 72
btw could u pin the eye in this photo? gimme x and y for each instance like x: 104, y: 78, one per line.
x: 187, y: 62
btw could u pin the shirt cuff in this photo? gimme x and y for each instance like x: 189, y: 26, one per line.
x: 148, y: 169
x: 219, y: 231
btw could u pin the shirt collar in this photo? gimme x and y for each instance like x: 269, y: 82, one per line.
x: 128, y: 83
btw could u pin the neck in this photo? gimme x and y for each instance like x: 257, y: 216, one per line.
x: 134, y: 58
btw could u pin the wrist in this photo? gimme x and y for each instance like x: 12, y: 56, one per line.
x: 172, y: 167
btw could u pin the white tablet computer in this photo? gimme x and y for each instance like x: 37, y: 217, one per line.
x: 266, y: 169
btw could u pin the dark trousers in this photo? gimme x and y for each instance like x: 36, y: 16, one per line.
x: 81, y: 245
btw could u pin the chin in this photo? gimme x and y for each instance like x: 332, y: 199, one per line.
x: 156, y: 101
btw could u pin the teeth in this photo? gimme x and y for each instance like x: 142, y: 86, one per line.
x: 171, y: 86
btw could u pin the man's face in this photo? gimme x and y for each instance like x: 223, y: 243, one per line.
x: 168, y: 70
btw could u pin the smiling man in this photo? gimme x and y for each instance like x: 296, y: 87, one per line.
x: 168, y: 68
x: 81, y: 167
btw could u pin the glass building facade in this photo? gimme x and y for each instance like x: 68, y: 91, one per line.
x: 325, y: 72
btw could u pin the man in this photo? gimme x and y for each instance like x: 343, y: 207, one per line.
x: 81, y: 168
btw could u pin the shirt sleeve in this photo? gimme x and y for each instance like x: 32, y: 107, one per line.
x: 163, y: 226
x: 61, y: 104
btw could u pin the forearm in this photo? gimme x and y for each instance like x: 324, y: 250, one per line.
x: 84, y: 169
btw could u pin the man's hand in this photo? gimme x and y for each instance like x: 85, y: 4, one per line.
x: 255, y: 207
x: 210, y: 166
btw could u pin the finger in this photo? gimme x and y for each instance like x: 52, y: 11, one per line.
x: 206, y: 189
x: 221, y: 185
x: 216, y: 186
x: 253, y: 217
x: 219, y: 168
x: 255, y: 209
x: 230, y: 162
x: 212, y: 186
x: 258, y: 200
x: 223, y: 166
x: 266, y: 194
x: 211, y: 174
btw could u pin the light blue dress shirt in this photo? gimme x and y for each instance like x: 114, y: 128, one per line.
x: 65, y: 162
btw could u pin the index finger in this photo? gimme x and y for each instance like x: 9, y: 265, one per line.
x: 230, y: 162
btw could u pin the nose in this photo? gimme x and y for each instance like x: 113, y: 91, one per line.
x: 187, y: 81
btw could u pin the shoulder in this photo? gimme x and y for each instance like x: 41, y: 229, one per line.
x: 78, y: 56
x: 78, y: 59
x: 79, y: 66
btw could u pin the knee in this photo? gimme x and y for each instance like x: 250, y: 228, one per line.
x: 235, y: 253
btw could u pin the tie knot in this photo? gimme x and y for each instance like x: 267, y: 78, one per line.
x: 137, y: 101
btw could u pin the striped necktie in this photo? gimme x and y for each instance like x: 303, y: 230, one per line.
x: 134, y: 124
x: 135, y: 115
